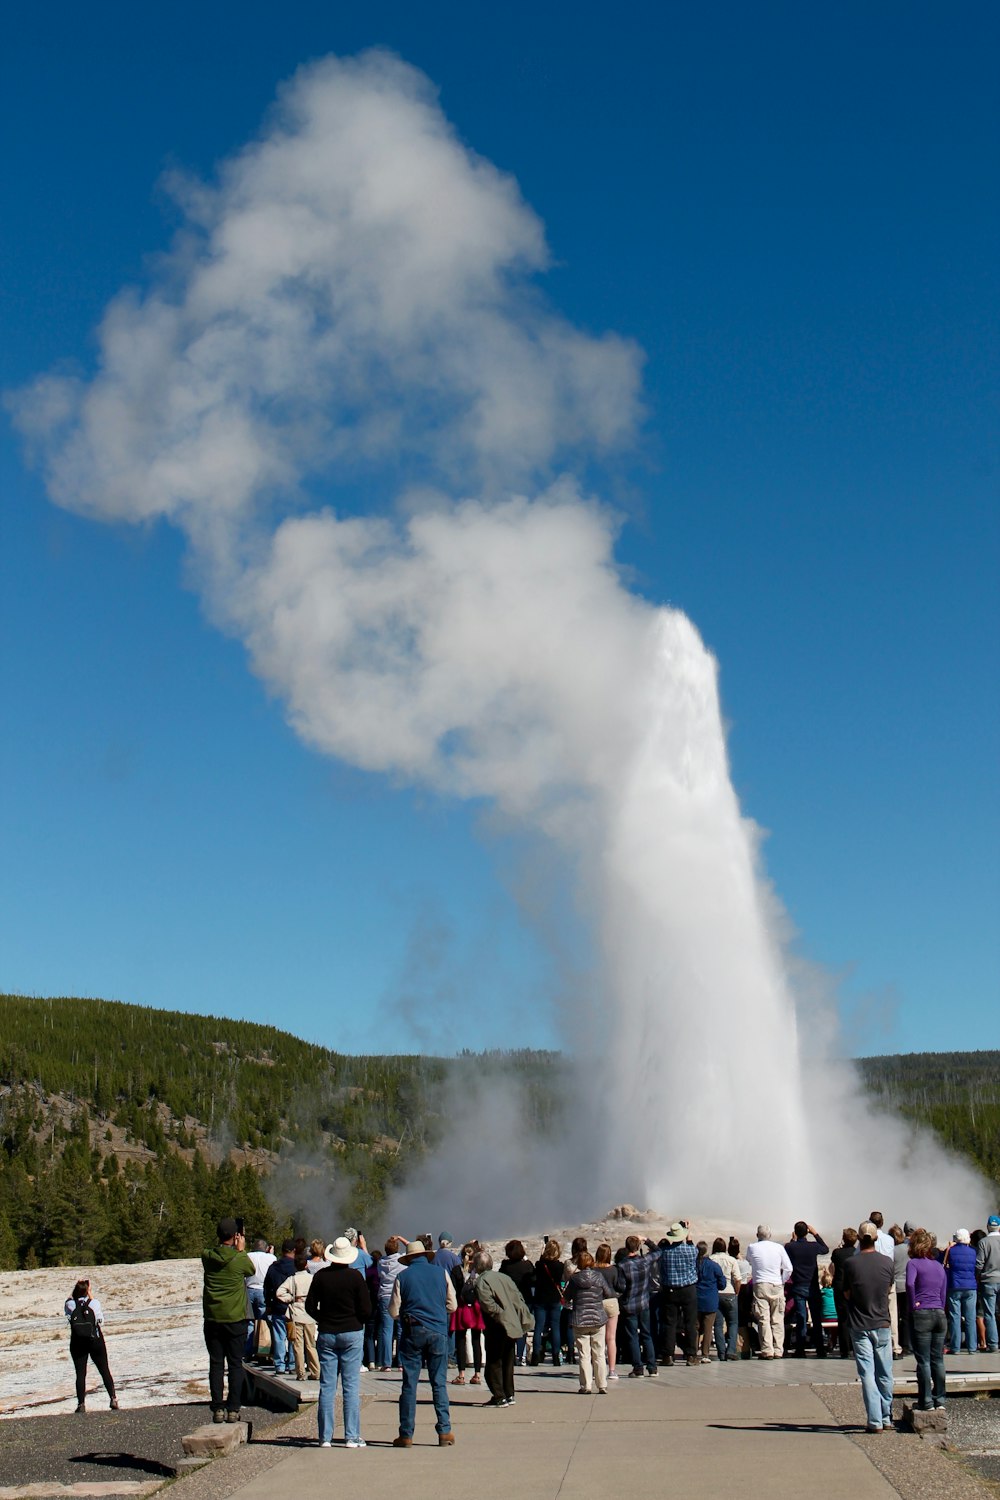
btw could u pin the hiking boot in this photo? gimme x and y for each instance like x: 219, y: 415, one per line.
x: 80, y: 1408
x: 232, y: 1416
x: 402, y: 1442
x: 218, y: 1416
x: 446, y: 1440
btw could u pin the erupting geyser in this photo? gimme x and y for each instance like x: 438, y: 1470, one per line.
x: 352, y: 294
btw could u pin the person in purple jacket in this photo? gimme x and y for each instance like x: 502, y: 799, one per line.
x: 926, y: 1289
x: 960, y: 1264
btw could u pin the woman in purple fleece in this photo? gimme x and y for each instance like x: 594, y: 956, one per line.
x: 926, y: 1288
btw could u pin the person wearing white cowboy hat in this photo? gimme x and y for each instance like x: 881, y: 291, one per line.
x: 422, y: 1299
x: 338, y: 1300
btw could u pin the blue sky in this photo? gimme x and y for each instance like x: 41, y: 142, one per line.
x: 791, y: 212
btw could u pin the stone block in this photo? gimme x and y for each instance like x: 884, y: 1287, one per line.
x: 214, y: 1439
x: 924, y: 1421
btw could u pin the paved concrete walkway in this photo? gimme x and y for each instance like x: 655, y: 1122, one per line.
x: 694, y: 1432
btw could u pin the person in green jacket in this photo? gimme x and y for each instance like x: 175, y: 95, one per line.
x: 507, y: 1318
x: 225, y: 1307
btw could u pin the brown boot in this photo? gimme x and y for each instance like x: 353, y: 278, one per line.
x: 446, y: 1440
x: 402, y: 1442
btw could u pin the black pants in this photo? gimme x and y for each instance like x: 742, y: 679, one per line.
x: 80, y: 1350
x: 843, y: 1324
x: 499, y: 1361
x: 680, y: 1302
x: 461, y: 1359
x: 903, y: 1314
x: 224, y: 1342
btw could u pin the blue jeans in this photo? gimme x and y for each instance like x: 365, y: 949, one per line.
x: 727, y: 1316
x: 928, y: 1346
x: 962, y: 1309
x: 989, y: 1294
x: 386, y: 1328
x: 547, y: 1320
x: 255, y: 1296
x: 873, y: 1357
x: 416, y: 1344
x: 639, y: 1340
x: 339, y: 1353
x: 281, y: 1348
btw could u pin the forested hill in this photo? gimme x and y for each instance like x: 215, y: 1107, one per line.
x: 256, y: 1085
x: 126, y: 1132
x: 956, y: 1093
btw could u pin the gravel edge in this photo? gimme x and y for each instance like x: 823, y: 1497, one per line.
x: 915, y: 1469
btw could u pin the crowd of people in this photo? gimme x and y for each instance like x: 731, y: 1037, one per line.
x: 333, y: 1311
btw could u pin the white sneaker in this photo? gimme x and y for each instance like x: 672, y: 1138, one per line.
x: 364, y: 1369
x: 326, y: 1445
x: 613, y: 1375
x: 359, y: 1444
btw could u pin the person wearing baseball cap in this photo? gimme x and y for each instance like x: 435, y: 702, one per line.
x: 422, y: 1299
x: 224, y: 1302
x: 988, y: 1272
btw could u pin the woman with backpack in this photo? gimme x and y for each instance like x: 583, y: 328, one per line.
x: 550, y: 1284
x: 468, y: 1317
x: 86, y: 1341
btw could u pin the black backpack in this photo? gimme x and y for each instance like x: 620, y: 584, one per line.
x: 82, y: 1322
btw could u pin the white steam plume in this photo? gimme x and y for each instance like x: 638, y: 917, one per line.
x: 353, y: 297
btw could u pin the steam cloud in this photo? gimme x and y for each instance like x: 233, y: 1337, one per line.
x: 354, y: 297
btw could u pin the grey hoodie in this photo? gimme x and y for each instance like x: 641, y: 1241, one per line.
x: 988, y: 1259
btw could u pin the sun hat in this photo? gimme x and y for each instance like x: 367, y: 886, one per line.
x: 414, y: 1249
x: 677, y: 1234
x: 341, y: 1252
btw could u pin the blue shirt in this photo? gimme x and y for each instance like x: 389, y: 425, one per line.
x: 423, y: 1293
x: 680, y: 1265
x: 711, y: 1281
x: 446, y: 1258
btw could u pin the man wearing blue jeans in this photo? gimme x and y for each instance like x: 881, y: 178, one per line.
x: 868, y: 1280
x: 641, y: 1276
x: 281, y: 1344
x: 988, y: 1272
x: 422, y: 1299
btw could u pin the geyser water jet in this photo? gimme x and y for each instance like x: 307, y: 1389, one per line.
x: 353, y: 296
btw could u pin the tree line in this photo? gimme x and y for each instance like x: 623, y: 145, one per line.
x: 323, y: 1128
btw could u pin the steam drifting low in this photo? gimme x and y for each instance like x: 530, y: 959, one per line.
x: 353, y: 297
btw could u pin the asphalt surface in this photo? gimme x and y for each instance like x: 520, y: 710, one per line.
x: 974, y: 1430
x: 103, y: 1445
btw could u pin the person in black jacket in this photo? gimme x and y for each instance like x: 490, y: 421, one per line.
x: 550, y: 1280
x: 518, y: 1267
x: 843, y: 1254
x: 277, y: 1312
x: 338, y: 1300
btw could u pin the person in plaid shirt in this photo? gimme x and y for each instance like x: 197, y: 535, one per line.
x: 679, y: 1297
x: 641, y: 1274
